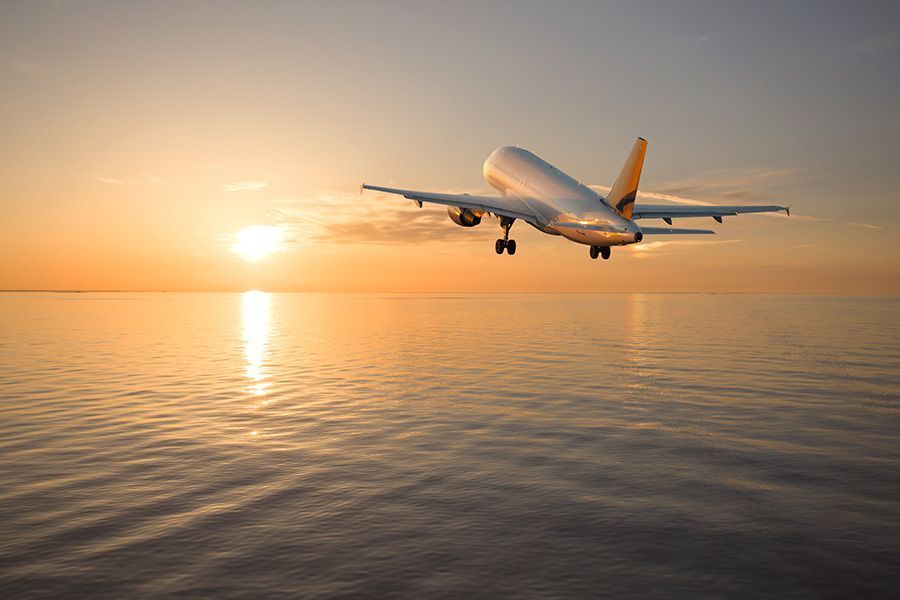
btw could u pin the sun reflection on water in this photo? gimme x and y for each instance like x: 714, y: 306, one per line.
x: 256, y: 313
x: 635, y: 341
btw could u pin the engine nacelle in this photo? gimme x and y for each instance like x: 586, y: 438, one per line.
x: 464, y: 217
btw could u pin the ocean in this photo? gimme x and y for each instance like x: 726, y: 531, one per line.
x: 449, y: 445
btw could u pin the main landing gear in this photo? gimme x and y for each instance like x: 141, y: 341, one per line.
x: 506, y: 243
x: 603, y: 251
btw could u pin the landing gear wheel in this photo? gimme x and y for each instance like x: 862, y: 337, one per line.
x: 595, y: 251
x: 505, y: 224
x: 605, y: 252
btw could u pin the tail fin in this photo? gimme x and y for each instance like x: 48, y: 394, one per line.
x: 624, y: 190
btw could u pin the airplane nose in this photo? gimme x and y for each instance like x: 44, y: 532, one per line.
x: 638, y: 236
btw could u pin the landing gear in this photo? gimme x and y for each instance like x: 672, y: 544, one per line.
x: 603, y: 251
x: 506, y: 243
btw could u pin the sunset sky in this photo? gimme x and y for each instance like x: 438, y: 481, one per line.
x: 137, y: 139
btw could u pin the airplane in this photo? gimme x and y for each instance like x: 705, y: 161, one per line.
x: 554, y: 203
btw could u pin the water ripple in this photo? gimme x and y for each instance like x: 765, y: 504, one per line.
x: 449, y: 445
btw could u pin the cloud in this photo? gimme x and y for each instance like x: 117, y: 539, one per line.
x: 795, y: 217
x: 244, y: 186
x: 732, y: 184
x: 651, y: 196
x: 654, y: 247
x: 865, y: 225
x: 343, y: 217
x: 421, y: 226
x: 721, y: 185
x: 114, y: 181
x: 744, y: 186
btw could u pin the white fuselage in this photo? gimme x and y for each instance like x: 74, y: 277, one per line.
x: 555, y: 197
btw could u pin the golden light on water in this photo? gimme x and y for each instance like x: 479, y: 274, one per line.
x: 256, y: 242
x: 256, y: 320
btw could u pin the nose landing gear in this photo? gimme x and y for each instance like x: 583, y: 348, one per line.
x: 506, y: 243
x: 603, y: 251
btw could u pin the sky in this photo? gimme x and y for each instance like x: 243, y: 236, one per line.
x: 138, y: 139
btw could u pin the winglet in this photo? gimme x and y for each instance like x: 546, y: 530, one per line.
x: 787, y: 209
x: 362, y: 186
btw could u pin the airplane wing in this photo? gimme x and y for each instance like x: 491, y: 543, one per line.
x: 505, y: 207
x: 667, y: 212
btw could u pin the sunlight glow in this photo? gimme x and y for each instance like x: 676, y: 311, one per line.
x: 256, y: 309
x: 256, y: 242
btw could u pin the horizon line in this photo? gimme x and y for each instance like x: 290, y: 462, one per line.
x: 432, y: 292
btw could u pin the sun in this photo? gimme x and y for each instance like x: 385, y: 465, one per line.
x: 256, y: 242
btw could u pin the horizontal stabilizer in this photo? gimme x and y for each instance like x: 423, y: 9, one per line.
x: 675, y: 231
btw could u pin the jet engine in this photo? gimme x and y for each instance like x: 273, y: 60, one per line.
x: 464, y: 217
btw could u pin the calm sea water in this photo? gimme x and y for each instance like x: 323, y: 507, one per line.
x: 258, y: 445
